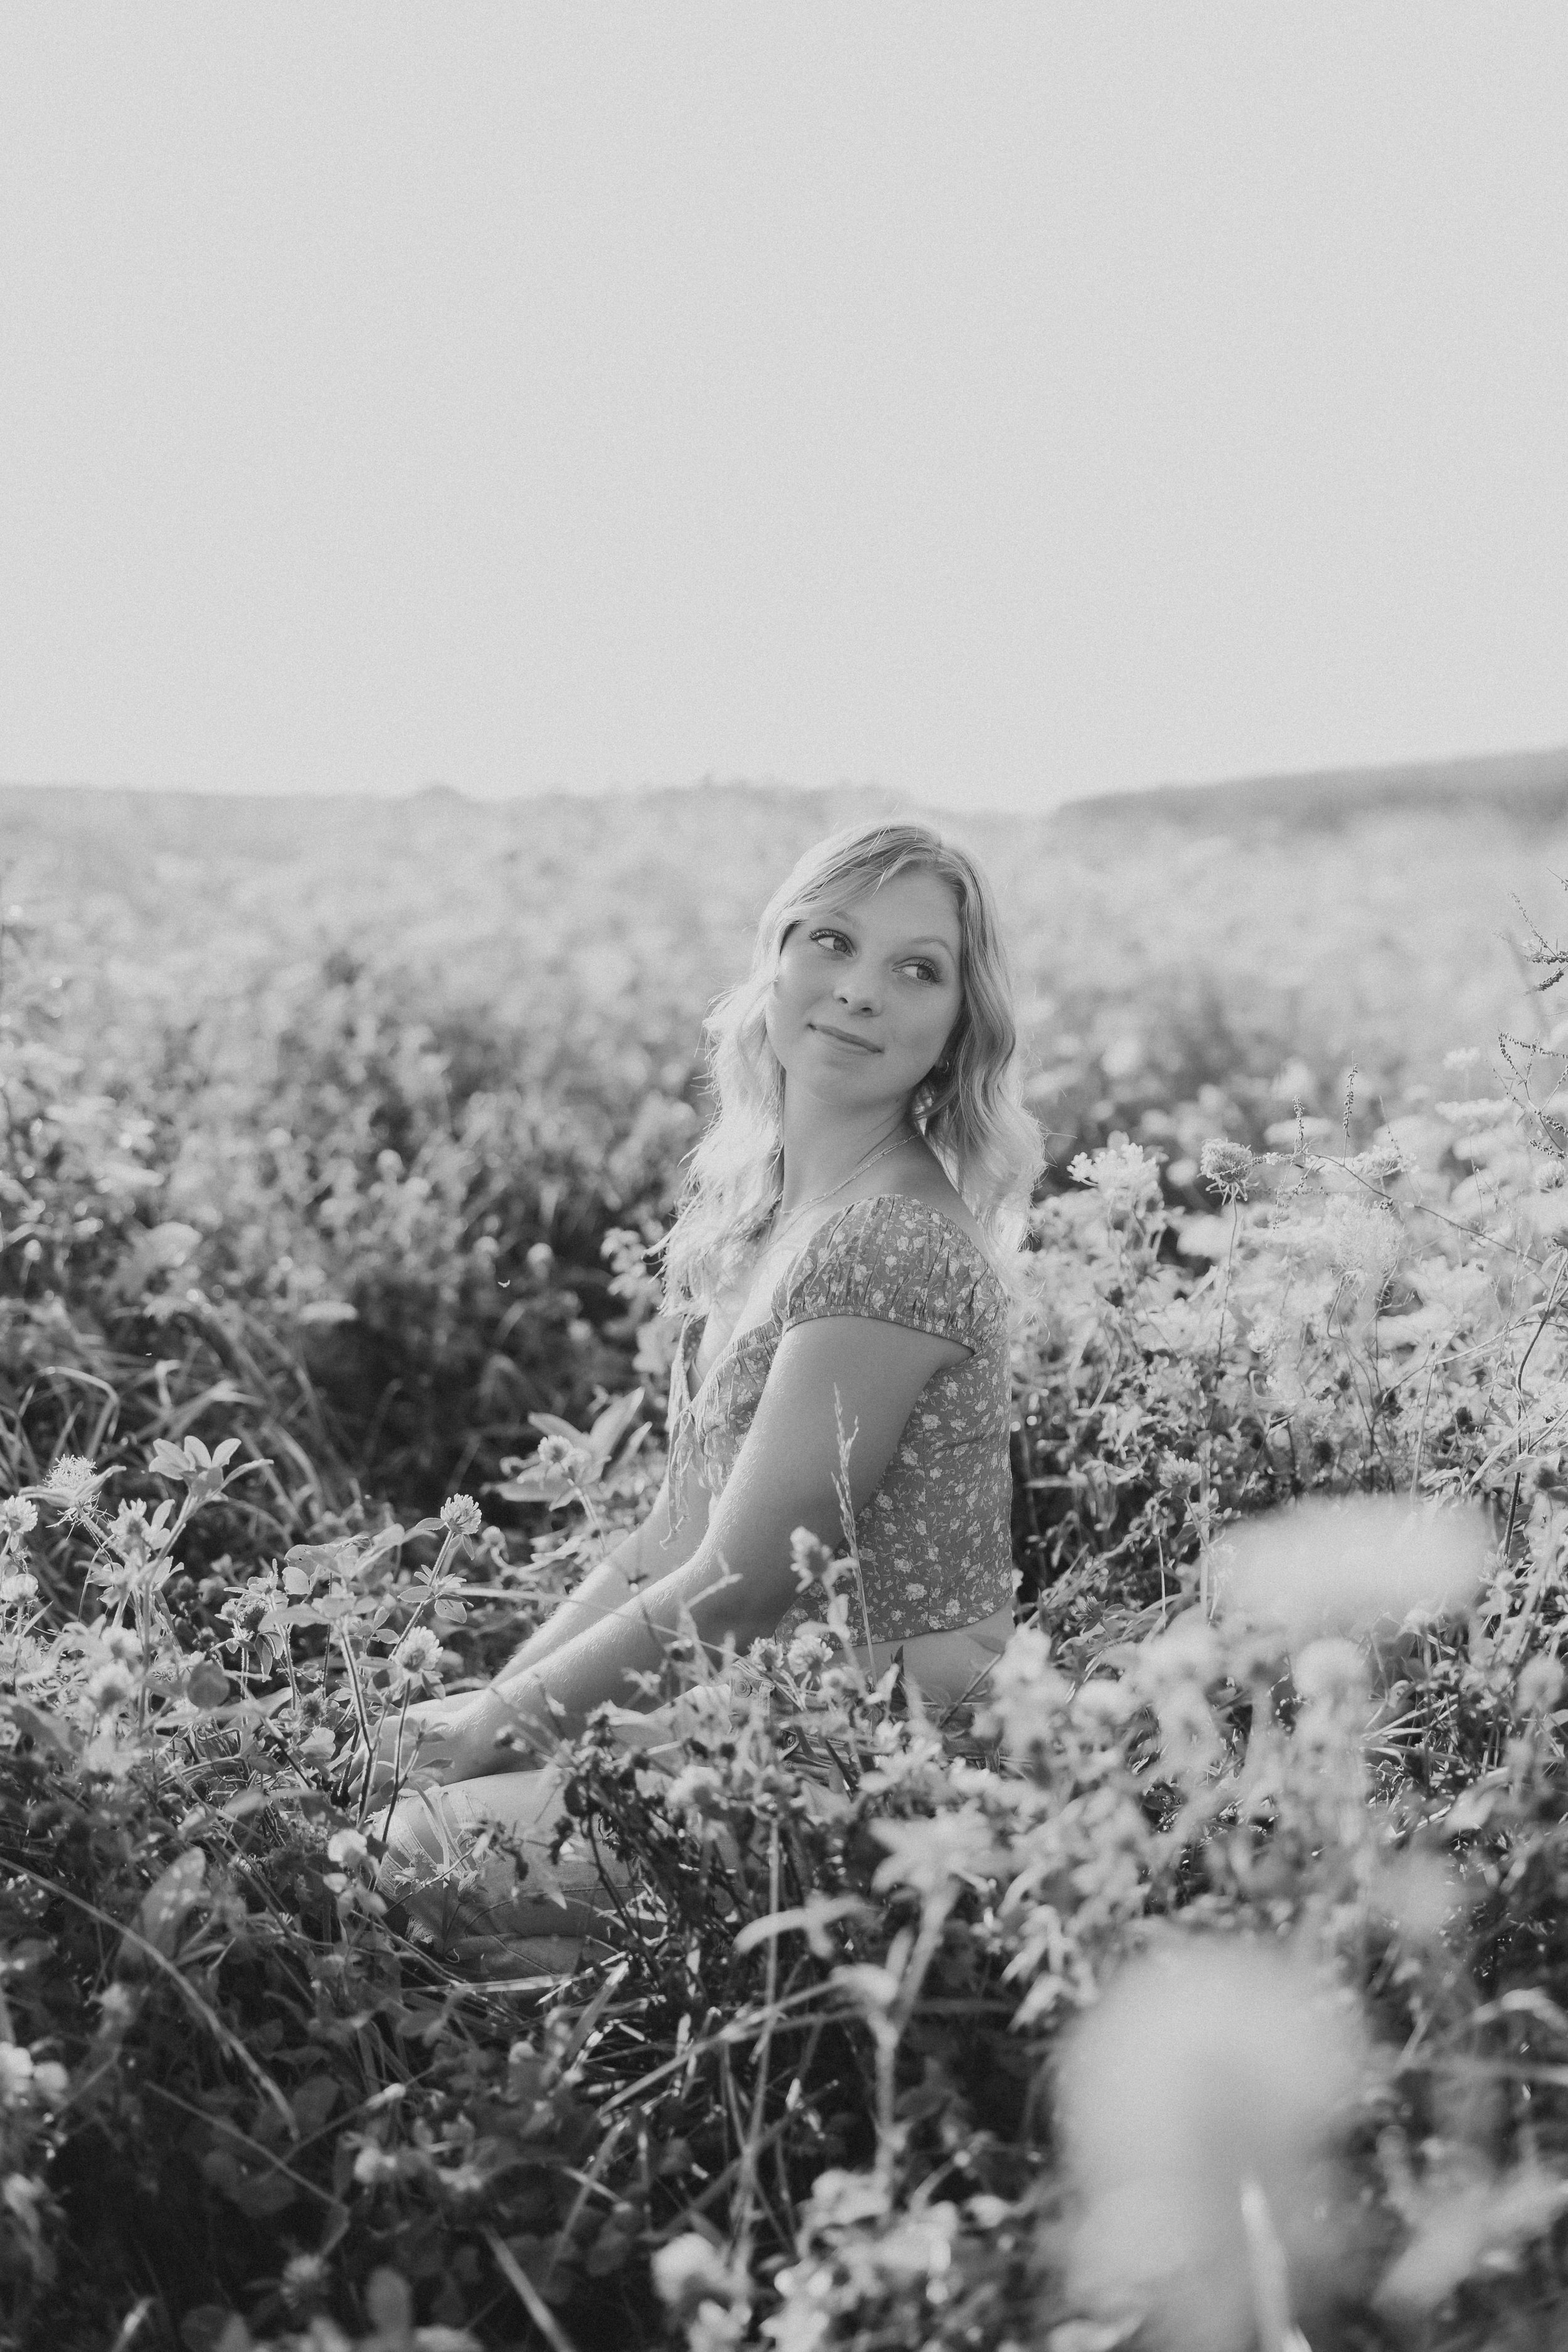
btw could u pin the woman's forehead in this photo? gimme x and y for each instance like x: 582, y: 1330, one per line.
x: 916, y: 899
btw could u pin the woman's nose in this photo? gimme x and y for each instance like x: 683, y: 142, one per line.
x: 855, y: 991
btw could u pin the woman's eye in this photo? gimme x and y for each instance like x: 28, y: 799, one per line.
x: 925, y: 970
x: 829, y: 938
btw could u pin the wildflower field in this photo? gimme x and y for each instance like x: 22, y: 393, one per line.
x: 1205, y: 1984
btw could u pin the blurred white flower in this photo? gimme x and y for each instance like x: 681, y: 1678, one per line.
x: 697, y: 1790
x: 1540, y: 1686
x: 15, y: 2073
x: 346, y: 1847
x: 931, y: 1855
x: 1347, y: 1237
x: 109, y: 1687
x: 18, y: 1588
x: 692, y: 2270
x: 1028, y: 1697
x: 1353, y: 1566
x: 1331, y: 1672
x: 22, y: 2081
x: 1126, y: 1178
x: 1207, y: 2065
x: 808, y: 1651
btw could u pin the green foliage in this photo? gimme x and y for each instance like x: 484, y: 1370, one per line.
x: 1273, y: 1783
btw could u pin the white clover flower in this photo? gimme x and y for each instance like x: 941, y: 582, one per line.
x: 375, y: 2165
x: 574, y: 1462
x: 304, y: 2275
x: 462, y: 1514
x: 1226, y: 1166
x: 109, y: 1687
x: 808, y: 1651
x: 1378, y: 1164
x: 419, y: 1650
x: 18, y: 1588
x: 346, y: 1848
x: 116, y: 2009
x: 809, y: 1558
x: 18, y: 1517
x: 22, y: 2081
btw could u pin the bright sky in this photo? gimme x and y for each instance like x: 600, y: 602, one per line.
x: 997, y: 404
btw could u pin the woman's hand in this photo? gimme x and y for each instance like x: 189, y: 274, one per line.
x: 425, y: 1736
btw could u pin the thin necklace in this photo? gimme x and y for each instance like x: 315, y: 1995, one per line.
x: 896, y: 1144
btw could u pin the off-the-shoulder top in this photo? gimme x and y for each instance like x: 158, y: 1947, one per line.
x: 933, y: 1542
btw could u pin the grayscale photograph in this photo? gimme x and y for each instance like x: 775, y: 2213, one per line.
x: 784, y: 1176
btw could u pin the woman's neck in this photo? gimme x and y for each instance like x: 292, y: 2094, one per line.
x: 821, y: 1152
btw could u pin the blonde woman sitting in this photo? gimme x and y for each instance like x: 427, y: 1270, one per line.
x: 841, y: 1265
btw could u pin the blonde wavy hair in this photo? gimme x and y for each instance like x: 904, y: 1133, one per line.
x: 968, y: 1108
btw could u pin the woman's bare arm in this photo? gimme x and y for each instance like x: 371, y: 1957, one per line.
x: 664, y: 1541
x: 847, y: 1373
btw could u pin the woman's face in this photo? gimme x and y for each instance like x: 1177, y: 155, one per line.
x: 867, y: 993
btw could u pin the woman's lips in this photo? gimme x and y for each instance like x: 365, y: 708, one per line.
x: 843, y: 1038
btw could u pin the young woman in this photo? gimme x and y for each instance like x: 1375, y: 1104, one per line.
x: 840, y: 1262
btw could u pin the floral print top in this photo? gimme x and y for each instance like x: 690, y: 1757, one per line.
x: 933, y: 1542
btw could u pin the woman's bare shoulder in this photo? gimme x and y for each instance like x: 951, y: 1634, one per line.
x: 929, y: 1187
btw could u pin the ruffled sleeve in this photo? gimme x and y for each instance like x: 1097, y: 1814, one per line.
x: 896, y: 1261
